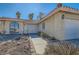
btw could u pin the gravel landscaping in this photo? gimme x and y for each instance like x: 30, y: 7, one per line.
x: 65, y: 47
x: 18, y: 46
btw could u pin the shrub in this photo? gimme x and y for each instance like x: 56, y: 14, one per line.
x: 44, y: 35
x: 39, y: 33
x: 53, y: 38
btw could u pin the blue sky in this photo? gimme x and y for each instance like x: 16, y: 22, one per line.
x: 9, y: 9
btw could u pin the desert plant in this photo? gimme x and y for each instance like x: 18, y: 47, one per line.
x: 62, y: 48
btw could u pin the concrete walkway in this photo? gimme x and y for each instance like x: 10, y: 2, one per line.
x: 39, y: 45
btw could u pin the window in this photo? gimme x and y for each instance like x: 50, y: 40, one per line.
x: 14, y: 27
x: 43, y: 26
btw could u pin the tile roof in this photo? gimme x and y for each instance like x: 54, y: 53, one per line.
x: 62, y: 9
x: 21, y: 20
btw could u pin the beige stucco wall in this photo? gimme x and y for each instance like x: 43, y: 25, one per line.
x: 71, y: 16
x: 25, y: 29
x: 32, y: 28
x: 5, y: 27
x: 59, y: 26
x: 1, y: 26
x: 54, y: 26
x: 7, y: 30
x: 21, y: 29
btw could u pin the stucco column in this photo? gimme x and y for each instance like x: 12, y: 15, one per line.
x: 20, y: 27
x: 25, y: 28
x: 7, y: 31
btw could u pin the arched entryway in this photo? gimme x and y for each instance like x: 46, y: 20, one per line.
x: 14, y: 27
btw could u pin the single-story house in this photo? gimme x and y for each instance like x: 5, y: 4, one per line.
x: 61, y: 23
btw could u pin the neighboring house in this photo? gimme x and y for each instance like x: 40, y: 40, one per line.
x: 62, y: 23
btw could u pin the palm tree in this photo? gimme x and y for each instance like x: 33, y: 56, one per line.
x: 18, y: 14
x: 31, y: 16
x: 41, y: 15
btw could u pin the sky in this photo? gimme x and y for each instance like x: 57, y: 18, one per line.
x: 10, y: 9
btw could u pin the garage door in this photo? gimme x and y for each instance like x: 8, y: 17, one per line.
x: 71, y: 28
x: 32, y: 29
